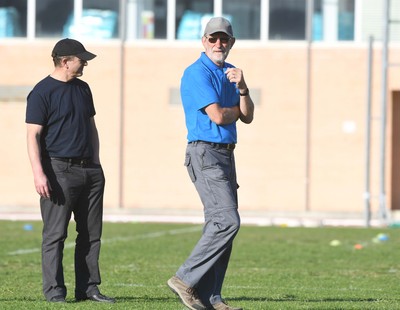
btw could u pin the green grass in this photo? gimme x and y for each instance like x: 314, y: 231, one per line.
x: 271, y: 267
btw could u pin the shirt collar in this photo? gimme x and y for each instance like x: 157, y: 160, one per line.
x: 208, y: 62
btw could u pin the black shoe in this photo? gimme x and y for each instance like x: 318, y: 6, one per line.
x: 97, y: 297
x: 58, y: 298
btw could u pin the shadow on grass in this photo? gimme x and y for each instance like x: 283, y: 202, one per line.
x: 233, y: 299
x: 146, y: 299
x: 118, y: 299
x: 296, y: 299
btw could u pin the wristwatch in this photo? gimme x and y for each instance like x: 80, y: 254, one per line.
x: 246, y: 93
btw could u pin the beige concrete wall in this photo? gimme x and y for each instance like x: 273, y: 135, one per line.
x: 271, y: 153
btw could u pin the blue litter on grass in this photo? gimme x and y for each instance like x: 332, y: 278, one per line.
x: 28, y: 227
x: 383, y: 237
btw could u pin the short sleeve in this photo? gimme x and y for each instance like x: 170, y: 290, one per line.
x: 199, y: 87
x: 36, y: 110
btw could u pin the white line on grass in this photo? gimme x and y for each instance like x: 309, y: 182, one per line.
x: 241, y: 287
x: 150, y: 235
x: 254, y: 287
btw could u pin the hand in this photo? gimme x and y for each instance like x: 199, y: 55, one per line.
x: 42, y: 186
x: 235, y: 75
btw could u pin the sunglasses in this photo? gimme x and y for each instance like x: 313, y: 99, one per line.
x: 223, y: 40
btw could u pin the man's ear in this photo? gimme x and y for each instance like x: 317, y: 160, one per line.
x: 64, y: 62
x: 233, y: 40
x: 204, y: 40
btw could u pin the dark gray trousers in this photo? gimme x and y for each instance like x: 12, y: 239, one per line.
x: 79, y: 190
x: 213, y: 172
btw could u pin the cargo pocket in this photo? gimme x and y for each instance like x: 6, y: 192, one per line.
x: 189, y: 167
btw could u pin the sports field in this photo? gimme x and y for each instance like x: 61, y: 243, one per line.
x: 271, y: 267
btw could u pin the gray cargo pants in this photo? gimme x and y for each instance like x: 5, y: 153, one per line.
x: 213, y: 172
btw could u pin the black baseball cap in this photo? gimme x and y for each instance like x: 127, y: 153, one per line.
x: 71, y: 47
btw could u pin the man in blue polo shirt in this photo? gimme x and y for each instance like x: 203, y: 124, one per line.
x: 214, y: 96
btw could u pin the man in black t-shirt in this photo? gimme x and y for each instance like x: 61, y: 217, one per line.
x: 63, y: 148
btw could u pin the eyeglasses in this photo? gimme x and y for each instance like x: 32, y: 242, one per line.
x: 223, y: 40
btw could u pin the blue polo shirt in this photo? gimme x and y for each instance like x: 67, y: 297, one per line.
x: 202, y: 84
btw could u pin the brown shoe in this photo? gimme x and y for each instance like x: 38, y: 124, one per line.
x: 188, y: 295
x: 223, y: 306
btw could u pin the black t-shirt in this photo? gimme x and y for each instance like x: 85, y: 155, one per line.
x: 64, y: 110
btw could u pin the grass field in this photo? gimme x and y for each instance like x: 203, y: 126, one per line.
x: 271, y: 267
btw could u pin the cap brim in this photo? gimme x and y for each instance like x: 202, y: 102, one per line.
x: 86, y: 56
x: 221, y: 30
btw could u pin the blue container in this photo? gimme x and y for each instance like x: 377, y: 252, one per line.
x: 346, y: 26
x: 318, y: 27
x: 94, y: 24
x: 9, y: 22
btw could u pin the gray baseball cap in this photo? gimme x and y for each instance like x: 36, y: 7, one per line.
x: 218, y: 24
